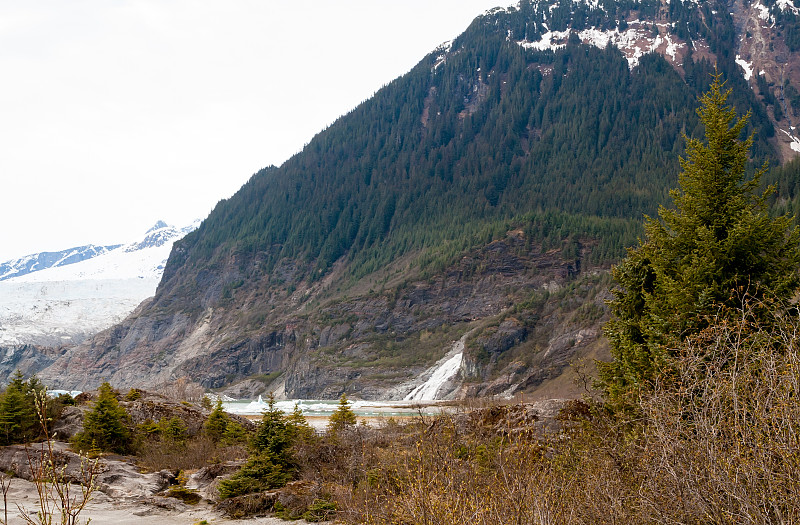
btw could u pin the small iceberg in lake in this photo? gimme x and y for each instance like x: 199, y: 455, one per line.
x: 56, y: 393
x: 255, y: 407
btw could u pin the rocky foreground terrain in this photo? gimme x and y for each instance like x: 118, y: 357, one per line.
x: 103, y: 509
x: 129, y: 490
x: 126, y: 492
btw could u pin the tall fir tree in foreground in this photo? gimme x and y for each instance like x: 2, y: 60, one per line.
x: 717, y: 248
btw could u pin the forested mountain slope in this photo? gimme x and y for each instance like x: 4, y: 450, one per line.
x: 489, y: 189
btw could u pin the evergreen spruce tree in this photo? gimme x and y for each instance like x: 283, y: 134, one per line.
x: 342, y: 417
x: 216, y: 423
x: 272, y: 434
x: 13, y: 412
x: 105, y: 426
x: 19, y: 418
x: 717, y: 248
x: 271, y: 464
x: 298, y: 426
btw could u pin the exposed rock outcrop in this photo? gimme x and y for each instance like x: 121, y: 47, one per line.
x: 28, y: 359
x: 117, y: 479
x: 393, y: 336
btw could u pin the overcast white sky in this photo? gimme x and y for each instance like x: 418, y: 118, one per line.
x: 115, y: 113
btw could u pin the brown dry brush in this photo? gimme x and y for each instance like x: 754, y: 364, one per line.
x: 193, y: 453
x: 717, y: 442
x: 723, y: 439
x: 471, y: 468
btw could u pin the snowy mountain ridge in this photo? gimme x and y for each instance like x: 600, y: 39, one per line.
x: 767, y: 38
x: 66, y: 302
x: 141, y: 258
x: 44, y: 260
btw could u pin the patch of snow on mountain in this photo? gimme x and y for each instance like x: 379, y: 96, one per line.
x: 763, y: 11
x: 785, y: 5
x: 497, y: 10
x: 159, y: 225
x: 547, y: 41
x: 142, y: 259
x: 598, y: 38
x: 672, y: 47
x: 41, y: 261
x: 746, y: 66
x: 634, y: 42
x: 443, y: 50
x: 594, y: 4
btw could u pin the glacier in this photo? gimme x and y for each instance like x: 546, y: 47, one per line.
x: 65, y: 304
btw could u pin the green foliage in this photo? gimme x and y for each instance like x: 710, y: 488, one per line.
x: 173, y: 430
x: 343, y: 417
x: 320, y: 510
x: 272, y: 434
x: 717, y: 247
x: 133, y: 394
x: 217, y: 422
x: 222, y: 429
x: 234, y: 434
x: 106, y: 426
x: 148, y: 428
x: 263, y: 471
x: 298, y: 426
x: 786, y: 180
x: 271, y: 464
x: 65, y: 399
x: 18, y: 414
x: 14, y: 414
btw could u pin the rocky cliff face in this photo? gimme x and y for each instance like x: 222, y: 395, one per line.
x: 770, y: 67
x: 374, y: 344
x: 28, y: 359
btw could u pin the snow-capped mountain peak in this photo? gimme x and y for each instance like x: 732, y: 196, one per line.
x: 158, y: 226
x: 142, y: 258
x: 159, y: 235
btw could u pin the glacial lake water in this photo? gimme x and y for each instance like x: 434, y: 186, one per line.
x: 324, y: 408
x: 317, y: 411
